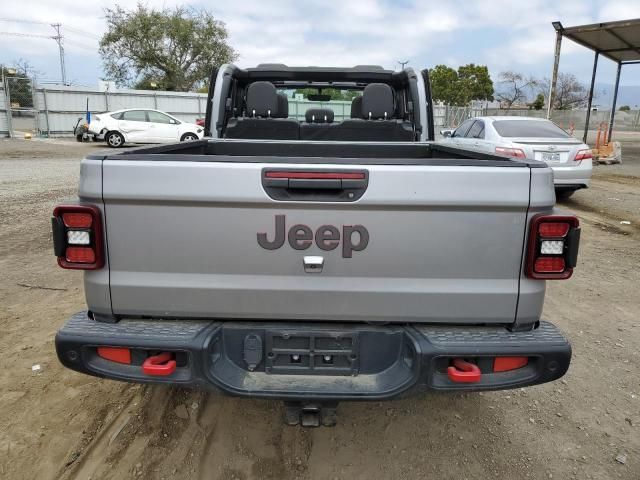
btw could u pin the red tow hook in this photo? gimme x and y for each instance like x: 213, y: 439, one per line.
x: 159, y: 365
x: 463, y: 372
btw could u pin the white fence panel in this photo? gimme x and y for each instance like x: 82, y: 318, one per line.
x: 4, y: 114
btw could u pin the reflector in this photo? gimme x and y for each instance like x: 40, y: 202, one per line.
x: 504, y: 364
x: 549, y: 265
x: 552, y: 247
x: 80, y: 255
x: 553, y: 229
x: 77, y: 220
x: 115, y: 354
x: 78, y: 237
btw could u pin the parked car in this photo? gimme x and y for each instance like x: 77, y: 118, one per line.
x: 142, y: 126
x: 312, y: 260
x: 530, y: 138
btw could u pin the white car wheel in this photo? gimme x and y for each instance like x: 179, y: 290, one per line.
x: 189, y: 137
x: 115, y: 140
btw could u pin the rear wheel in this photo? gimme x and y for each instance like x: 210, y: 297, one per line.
x: 115, y: 139
x: 189, y: 137
x: 564, y: 194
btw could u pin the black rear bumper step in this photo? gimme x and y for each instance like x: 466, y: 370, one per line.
x: 312, y: 361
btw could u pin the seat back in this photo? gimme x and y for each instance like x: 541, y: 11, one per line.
x: 319, y: 124
x: 375, y: 122
x: 266, y: 116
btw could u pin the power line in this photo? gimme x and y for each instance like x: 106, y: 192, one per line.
x: 18, y: 20
x: 82, y: 32
x: 17, y: 34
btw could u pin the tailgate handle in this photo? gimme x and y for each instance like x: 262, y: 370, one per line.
x: 316, y: 185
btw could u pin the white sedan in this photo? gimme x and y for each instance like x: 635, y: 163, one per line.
x: 138, y: 125
x: 532, y: 138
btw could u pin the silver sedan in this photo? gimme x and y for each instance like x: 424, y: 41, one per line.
x: 531, y: 138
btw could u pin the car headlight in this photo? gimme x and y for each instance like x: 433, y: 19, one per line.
x: 199, y: 130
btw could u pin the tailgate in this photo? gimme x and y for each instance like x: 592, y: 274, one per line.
x: 432, y: 243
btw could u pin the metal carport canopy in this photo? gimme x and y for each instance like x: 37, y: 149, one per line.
x: 618, y: 41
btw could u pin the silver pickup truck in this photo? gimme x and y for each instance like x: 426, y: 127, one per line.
x: 315, y: 257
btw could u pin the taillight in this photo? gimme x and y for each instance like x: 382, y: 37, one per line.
x: 552, y: 251
x: 511, y: 152
x: 583, y: 155
x: 77, y: 237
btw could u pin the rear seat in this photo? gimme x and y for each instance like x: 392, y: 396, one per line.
x: 266, y: 118
x: 319, y: 122
x: 377, y: 122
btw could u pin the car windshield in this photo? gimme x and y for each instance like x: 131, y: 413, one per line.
x: 303, y: 99
x: 529, y: 129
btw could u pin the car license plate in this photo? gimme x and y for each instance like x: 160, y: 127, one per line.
x: 550, y: 157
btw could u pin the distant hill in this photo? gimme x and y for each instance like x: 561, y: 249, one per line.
x: 627, y: 95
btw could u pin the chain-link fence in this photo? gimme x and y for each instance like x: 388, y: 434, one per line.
x: 448, y: 116
x: 21, y: 114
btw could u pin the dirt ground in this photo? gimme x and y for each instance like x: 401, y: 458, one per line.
x: 55, y: 423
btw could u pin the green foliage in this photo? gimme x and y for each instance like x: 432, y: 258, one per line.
x: 469, y: 82
x: 538, y: 103
x: 19, y: 77
x: 175, y: 49
x: 346, y: 95
x: 625, y: 108
x: 476, y: 81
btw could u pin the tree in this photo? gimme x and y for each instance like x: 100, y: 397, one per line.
x: 20, y: 76
x: 175, y: 49
x: 445, y: 85
x: 476, y: 82
x: 513, y: 87
x: 538, y: 103
x: 469, y: 82
x: 570, y: 93
x: 625, y: 108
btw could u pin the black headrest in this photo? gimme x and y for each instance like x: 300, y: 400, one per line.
x: 283, y: 106
x: 319, y: 115
x: 262, y: 100
x: 356, y: 107
x: 377, y: 101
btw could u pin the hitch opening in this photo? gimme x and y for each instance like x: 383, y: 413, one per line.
x: 311, y: 414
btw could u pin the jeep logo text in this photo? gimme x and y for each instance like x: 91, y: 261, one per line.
x: 355, y: 238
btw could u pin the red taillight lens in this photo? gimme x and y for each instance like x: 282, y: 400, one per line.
x: 553, y: 229
x: 80, y: 255
x: 77, y: 220
x: 552, y: 250
x: 583, y: 155
x: 549, y: 265
x: 511, y: 152
x: 77, y: 237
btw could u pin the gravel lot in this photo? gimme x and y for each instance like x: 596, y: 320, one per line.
x: 55, y: 423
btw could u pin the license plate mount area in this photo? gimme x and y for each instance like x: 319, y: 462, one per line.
x: 322, y: 352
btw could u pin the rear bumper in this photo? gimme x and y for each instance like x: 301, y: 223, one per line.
x: 578, y: 176
x: 253, y: 359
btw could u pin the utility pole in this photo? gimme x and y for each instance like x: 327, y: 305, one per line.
x: 402, y: 64
x: 60, y: 40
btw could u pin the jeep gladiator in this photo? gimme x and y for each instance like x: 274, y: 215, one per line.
x: 315, y: 259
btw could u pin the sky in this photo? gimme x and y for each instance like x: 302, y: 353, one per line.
x: 502, y: 34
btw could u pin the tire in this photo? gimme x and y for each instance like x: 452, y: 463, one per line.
x: 189, y: 137
x: 564, y: 194
x: 79, y: 138
x: 114, y: 139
